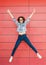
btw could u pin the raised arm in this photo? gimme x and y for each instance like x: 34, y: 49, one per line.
x: 28, y: 19
x: 8, y: 11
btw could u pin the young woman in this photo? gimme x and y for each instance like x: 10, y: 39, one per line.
x: 21, y: 23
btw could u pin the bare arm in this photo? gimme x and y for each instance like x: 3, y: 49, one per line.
x: 28, y: 19
x: 8, y: 11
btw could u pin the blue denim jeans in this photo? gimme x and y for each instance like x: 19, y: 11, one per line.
x: 25, y: 38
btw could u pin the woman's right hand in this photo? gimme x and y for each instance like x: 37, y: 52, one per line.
x: 8, y: 11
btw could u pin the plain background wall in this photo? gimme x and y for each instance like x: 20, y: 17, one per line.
x: 36, y: 32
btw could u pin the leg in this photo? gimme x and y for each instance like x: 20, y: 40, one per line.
x: 29, y: 43
x: 16, y: 46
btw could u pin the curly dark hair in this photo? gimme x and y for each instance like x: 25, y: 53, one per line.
x: 22, y: 18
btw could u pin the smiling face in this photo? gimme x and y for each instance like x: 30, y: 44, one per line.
x: 21, y: 19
